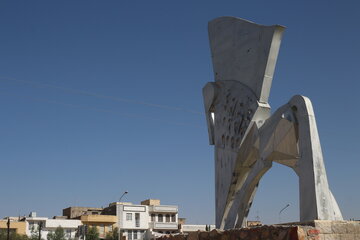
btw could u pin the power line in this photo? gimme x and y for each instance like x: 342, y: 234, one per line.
x: 103, y: 110
x: 87, y: 93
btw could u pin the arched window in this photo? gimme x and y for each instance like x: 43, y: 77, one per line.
x: 167, y: 218
x: 173, y: 218
x: 160, y: 218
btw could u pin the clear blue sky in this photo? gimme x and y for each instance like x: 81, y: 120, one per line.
x: 99, y: 97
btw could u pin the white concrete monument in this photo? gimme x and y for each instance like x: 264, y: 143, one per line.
x: 247, y: 137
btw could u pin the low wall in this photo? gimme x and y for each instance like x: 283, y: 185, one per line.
x: 315, y: 230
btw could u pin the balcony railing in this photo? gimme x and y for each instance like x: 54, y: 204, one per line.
x: 163, y: 225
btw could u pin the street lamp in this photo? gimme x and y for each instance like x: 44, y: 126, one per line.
x: 119, y: 228
x: 287, y: 205
x: 126, y: 192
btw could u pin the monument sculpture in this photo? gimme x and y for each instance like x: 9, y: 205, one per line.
x: 247, y: 138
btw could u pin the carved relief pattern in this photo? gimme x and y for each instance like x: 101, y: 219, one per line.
x: 234, y: 109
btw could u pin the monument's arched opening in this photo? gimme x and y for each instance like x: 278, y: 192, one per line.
x: 277, y: 188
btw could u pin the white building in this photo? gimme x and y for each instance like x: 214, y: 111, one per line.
x: 133, y: 221
x: 138, y: 222
x: 163, y: 218
x: 187, y: 228
x: 33, y: 222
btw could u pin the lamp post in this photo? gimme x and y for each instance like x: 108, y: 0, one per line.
x: 126, y: 192
x: 287, y: 205
x: 119, y: 228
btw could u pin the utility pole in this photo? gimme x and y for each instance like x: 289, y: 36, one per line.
x: 40, y: 227
x: 8, y: 229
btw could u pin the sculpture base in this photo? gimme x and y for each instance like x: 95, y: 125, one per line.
x: 318, y: 229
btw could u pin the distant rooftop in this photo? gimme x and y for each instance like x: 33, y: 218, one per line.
x: 151, y: 202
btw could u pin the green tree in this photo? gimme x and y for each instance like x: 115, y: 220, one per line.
x: 92, y: 234
x: 2, y: 234
x: 13, y: 235
x: 59, y: 234
x: 35, y: 233
x: 113, y: 235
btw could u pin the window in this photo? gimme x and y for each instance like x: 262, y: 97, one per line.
x: 128, y: 216
x: 110, y: 228
x: 130, y: 235
x: 102, y: 229
x: 173, y: 218
x: 135, y: 234
x: 167, y: 218
x: 153, y: 217
x: 137, y: 220
x: 160, y: 218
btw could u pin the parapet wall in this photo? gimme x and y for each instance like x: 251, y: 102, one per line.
x: 315, y: 230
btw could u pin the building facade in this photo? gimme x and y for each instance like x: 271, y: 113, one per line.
x: 16, y: 226
x: 142, y: 221
x: 146, y: 220
x: 163, y: 218
x: 46, y: 226
x: 103, y: 223
x: 77, y: 212
x: 132, y: 220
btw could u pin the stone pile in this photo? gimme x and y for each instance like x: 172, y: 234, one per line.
x: 315, y: 230
x: 256, y: 233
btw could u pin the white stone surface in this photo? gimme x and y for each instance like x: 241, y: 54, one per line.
x: 247, y: 138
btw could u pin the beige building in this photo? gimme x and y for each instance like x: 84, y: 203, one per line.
x: 18, y: 227
x: 77, y: 212
x: 149, y: 202
x: 103, y: 223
